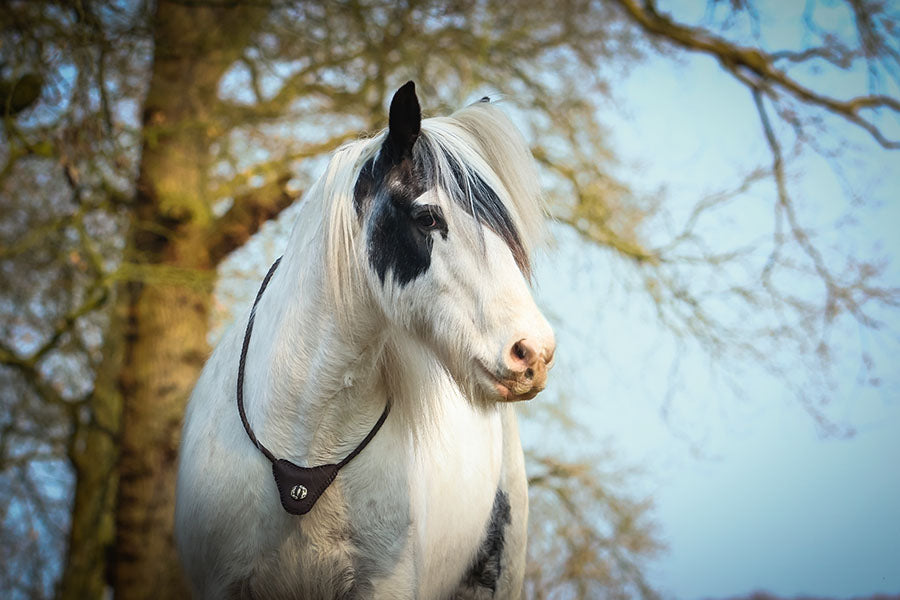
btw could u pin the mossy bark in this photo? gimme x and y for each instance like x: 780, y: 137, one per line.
x: 93, y: 453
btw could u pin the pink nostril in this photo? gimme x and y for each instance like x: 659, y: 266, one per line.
x: 523, y: 352
x: 519, y: 351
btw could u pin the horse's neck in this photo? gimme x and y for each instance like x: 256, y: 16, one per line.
x: 318, y: 393
x: 305, y: 376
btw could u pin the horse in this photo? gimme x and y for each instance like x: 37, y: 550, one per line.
x: 385, y: 351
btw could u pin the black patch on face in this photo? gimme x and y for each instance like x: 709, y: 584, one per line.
x: 396, y: 242
x: 485, y: 571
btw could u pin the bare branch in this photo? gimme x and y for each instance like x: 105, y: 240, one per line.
x: 248, y: 213
x: 761, y: 65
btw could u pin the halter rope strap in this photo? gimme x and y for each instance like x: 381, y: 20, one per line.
x: 298, y: 487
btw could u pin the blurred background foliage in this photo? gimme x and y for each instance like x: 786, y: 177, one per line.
x: 143, y: 143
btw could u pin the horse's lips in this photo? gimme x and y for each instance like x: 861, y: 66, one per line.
x: 503, y: 389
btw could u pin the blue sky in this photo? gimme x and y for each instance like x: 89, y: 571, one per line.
x: 749, y: 493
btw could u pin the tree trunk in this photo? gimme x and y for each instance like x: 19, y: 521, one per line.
x: 93, y: 452
x: 169, y: 297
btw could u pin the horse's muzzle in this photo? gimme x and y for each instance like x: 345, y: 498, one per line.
x: 524, y: 375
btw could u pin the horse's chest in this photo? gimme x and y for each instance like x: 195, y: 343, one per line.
x: 409, y: 527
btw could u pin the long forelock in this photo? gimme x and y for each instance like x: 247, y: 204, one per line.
x: 480, y: 161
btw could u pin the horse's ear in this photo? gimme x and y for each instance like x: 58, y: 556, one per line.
x: 404, y: 122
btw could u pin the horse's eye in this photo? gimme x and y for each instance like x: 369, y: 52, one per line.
x: 428, y: 219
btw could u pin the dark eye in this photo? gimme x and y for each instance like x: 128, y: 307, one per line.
x: 428, y: 218
x: 426, y: 221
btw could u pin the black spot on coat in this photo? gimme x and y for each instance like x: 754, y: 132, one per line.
x: 485, y: 571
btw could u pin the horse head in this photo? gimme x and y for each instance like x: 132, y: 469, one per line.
x: 449, y: 209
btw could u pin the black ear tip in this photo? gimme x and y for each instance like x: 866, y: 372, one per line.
x: 405, y: 112
x: 406, y: 94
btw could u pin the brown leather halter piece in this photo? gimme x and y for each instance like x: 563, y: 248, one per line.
x: 298, y: 487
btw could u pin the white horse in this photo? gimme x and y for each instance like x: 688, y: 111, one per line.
x: 382, y: 354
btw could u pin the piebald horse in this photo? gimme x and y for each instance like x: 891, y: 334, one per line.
x: 374, y: 379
